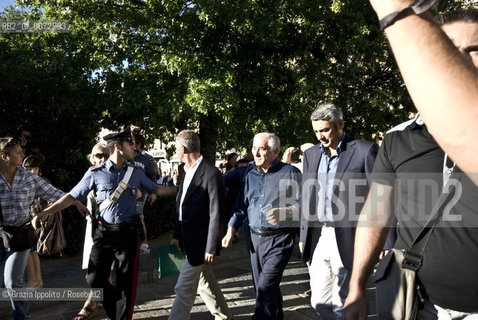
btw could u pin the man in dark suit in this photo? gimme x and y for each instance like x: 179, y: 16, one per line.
x: 200, y: 205
x: 335, y: 184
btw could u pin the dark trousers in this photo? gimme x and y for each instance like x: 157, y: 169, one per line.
x: 269, y: 257
x: 122, y: 248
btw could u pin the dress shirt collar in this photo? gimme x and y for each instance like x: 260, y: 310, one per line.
x: 193, y: 168
x: 188, y: 177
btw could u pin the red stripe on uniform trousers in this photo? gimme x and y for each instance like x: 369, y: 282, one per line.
x: 134, y: 279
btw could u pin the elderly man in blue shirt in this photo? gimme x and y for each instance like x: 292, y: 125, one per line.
x: 271, y: 202
x: 117, y: 236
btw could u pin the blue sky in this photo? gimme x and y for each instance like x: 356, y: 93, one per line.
x: 4, y: 3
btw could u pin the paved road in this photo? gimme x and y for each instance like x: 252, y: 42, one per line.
x: 155, y: 296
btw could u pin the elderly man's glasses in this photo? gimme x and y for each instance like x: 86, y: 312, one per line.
x: 101, y: 155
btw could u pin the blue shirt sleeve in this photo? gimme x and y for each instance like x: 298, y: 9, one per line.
x: 81, y: 190
x: 240, y: 208
x: 148, y: 185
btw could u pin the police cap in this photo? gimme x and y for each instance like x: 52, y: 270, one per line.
x: 122, y: 136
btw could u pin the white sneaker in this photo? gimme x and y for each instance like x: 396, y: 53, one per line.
x: 144, y: 249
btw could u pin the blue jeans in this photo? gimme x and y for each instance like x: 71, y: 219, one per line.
x: 14, y: 265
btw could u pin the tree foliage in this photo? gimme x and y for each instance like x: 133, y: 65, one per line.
x: 237, y: 67
x: 229, y: 68
x: 47, y: 92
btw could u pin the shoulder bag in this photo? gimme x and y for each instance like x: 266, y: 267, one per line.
x: 52, y: 237
x: 397, y: 290
x: 17, y: 238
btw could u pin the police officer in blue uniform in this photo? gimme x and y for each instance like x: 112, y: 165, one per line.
x: 117, y: 236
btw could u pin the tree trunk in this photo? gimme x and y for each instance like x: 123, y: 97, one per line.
x: 208, y: 135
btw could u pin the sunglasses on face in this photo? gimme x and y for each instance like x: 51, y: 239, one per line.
x: 101, y: 155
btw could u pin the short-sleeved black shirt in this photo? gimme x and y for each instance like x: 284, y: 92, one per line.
x: 410, y: 160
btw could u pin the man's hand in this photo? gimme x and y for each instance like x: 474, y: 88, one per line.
x: 229, y: 171
x: 208, y: 258
x: 273, y: 215
x: 41, y: 217
x: 301, y: 247
x: 227, y: 240
x: 82, y: 209
x: 139, y: 194
x: 385, y: 7
x: 355, y: 307
x: 152, y: 199
x: 175, y: 242
x: 287, y: 157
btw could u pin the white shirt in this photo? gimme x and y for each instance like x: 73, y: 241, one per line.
x: 188, y: 176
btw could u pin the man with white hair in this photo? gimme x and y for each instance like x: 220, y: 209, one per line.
x: 271, y: 201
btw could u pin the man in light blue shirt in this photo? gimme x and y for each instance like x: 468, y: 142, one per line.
x: 335, y: 184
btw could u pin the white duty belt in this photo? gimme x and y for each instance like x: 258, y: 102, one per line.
x: 122, y: 186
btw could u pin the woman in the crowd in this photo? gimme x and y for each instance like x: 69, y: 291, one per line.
x: 98, y: 155
x: 18, y: 188
x: 231, y: 162
x: 35, y: 280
